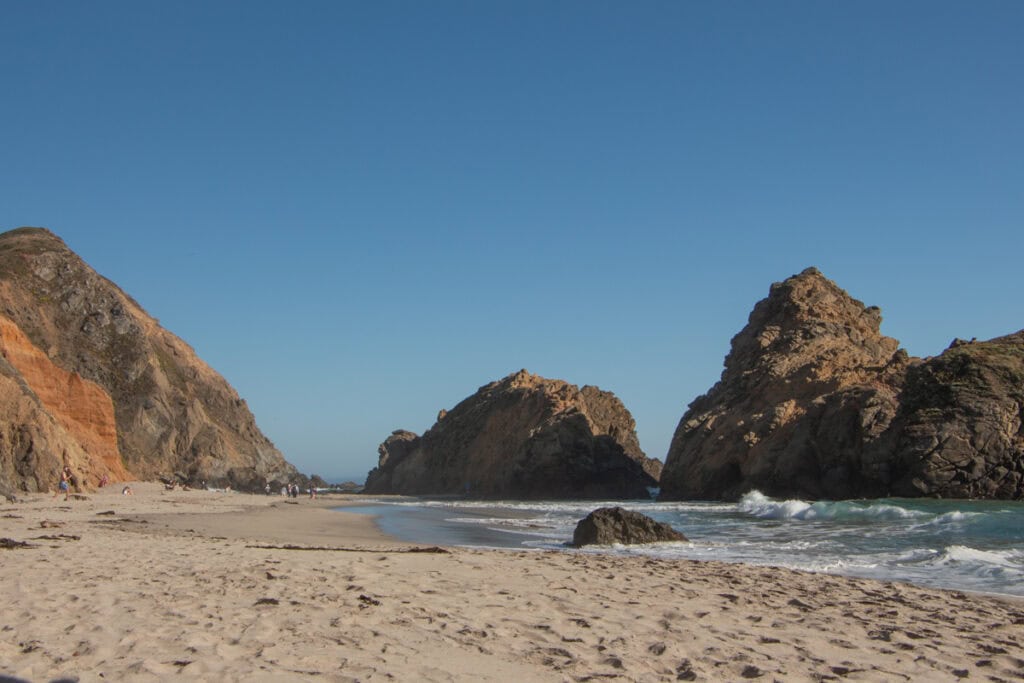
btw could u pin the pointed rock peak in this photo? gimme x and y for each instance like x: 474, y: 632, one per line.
x: 522, y: 378
x: 809, y: 327
x: 813, y: 305
x: 811, y: 287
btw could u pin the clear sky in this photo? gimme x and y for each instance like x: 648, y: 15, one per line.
x: 359, y: 213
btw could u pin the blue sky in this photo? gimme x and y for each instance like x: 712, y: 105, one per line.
x: 359, y: 213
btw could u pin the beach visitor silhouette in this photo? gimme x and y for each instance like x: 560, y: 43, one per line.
x: 65, y: 483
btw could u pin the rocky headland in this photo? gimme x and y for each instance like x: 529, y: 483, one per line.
x: 815, y: 402
x: 523, y: 437
x: 89, y: 379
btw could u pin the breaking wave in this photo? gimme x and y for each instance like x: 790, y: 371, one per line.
x: 758, y: 505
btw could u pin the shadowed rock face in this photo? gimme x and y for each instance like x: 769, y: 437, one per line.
x: 960, y: 423
x: 815, y: 402
x: 521, y: 437
x: 90, y: 379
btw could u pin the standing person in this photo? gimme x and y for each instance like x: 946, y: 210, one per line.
x: 65, y: 483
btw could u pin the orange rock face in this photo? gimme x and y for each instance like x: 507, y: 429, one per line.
x: 82, y: 408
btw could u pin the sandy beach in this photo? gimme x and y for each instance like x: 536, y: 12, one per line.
x: 226, y: 586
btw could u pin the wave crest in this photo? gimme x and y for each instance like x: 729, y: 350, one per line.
x: 759, y: 505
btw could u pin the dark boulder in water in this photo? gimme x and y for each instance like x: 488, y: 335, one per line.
x: 606, y: 526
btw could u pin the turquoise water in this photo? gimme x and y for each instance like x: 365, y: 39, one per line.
x: 959, y: 544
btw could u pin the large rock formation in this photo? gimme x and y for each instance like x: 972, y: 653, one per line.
x: 522, y: 437
x: 89, y: 379
x: 815, y: 402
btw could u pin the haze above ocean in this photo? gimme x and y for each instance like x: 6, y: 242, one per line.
x: 954, y: 544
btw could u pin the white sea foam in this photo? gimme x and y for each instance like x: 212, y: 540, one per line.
x: 966, y: 555
x: 759, y: 505
x: 528, y: 527
x: 915, y: 555
x: 954, y: 519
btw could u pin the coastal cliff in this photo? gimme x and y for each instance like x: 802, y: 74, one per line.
x: 89, y: 379
x: 960, y: 423
x: 815, y: 402
x: 523, y: 436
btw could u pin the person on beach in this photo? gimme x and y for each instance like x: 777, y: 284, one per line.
x: 65, y: 483
x: 127, y: 491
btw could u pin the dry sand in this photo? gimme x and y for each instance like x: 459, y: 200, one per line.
x: 199, y: 585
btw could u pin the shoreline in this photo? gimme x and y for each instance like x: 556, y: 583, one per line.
x: 203, y: 584
x: 949, y: 548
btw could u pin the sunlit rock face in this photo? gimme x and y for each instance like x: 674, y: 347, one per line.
x: 73, y: 418
x: 89, y: 379
x: 522, y: 437
x: 815, y: 402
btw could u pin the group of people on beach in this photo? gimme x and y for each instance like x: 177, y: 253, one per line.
x: 291, y: 490
x: 66, y: 479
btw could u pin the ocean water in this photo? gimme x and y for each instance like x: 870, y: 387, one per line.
x: 958, y: 544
